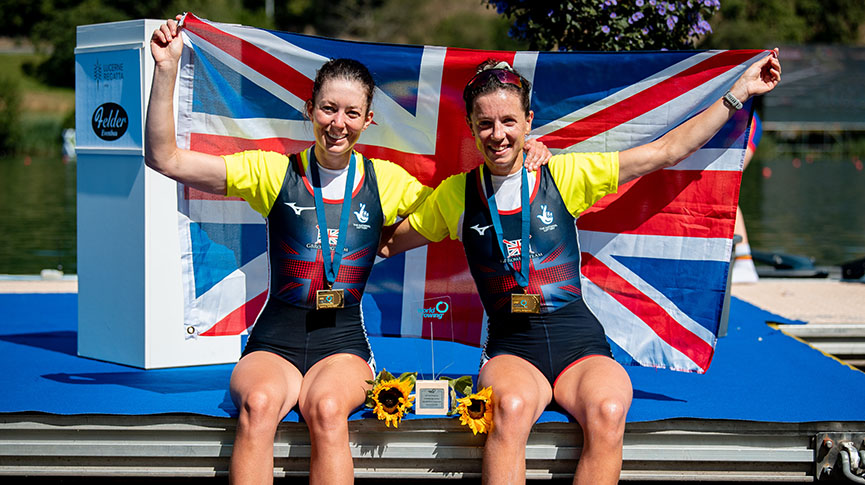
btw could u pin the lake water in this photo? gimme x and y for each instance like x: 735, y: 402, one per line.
x: 815, y: 209
x: 37, y: 215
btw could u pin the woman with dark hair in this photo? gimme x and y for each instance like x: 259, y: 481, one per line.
x: 325, y: 208
x: 544, y: 344
x: 308, y: 347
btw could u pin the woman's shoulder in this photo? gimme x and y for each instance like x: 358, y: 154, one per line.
x: 385, y: 166
x: 388, y: 172
x: 564, y: 163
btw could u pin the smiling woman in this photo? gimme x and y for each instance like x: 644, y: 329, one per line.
x: 544, y: 344
x: 500, y: 126
x: 498, y: 115
x: 339, y: 114
x: 309, y: 347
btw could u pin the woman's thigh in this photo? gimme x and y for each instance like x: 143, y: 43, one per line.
x: 341, y: 377
x: 268, y: 374
x: 593, y: 381
x: 513, y: 376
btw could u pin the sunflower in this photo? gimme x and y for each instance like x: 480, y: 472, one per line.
x: 389, y: 398
x: 476, y: 412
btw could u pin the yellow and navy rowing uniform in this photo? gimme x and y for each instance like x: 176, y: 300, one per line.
x: 279, y: 187
x: 565, y: 331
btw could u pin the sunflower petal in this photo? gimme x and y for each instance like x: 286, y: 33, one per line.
x: 478, y: 422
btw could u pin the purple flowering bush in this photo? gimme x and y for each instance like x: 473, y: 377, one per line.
x: 609, y: 25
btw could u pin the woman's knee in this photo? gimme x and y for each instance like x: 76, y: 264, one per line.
x: 260, y: 407
x: 325, y: 414
x: 514, y: 411
x: 605, y: 420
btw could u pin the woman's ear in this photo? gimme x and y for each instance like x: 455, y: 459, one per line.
x: 309, y: 109
x: 368, y: 120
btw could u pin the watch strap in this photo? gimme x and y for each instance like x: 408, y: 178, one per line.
x: 732, y: 100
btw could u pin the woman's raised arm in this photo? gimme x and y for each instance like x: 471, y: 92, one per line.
x: 761, y: 77
x: 199, y: 170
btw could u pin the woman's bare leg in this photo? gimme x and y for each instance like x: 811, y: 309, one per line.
x: 520, y: 394
x: 332, y: 389
x: 264, y: 387
x: 597, y: 392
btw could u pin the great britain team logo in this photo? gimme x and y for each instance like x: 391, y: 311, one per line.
x: 332, y: 236
x: 514, y: 247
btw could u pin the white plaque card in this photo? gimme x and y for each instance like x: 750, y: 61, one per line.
x: 431, y: 397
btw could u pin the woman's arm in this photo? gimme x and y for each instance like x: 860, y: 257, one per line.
x: 399, y: 238
x: 760, y: 78
x: 199, y: 170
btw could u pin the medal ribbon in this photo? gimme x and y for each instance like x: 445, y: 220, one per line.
x: 333, y: 259
x: 522, y: 277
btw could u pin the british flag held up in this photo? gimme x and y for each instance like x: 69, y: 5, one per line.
x: 655, y: 256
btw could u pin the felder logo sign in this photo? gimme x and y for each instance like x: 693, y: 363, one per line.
x: 109, y: 121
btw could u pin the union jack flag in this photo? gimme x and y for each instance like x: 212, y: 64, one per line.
x: 655, y: 255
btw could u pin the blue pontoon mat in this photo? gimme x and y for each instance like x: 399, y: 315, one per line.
x: 758, y: 374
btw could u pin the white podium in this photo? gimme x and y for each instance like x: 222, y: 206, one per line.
x: 130, y: 296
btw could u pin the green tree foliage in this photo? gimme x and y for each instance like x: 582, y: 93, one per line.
x: 454, y: 23
x: 541, y: 24
x: 767, y: 23
x: 55, y: 35
x: 51, y: 24
x: 18, y: 16
x: 590, y: 24
x: 609, y: 25
x: 10, y: 106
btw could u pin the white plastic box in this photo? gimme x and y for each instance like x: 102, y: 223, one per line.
x: 130, y: 298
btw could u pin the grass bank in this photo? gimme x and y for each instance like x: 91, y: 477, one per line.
x: 44, y: 110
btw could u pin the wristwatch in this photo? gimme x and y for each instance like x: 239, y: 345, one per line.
x: 732, y: 101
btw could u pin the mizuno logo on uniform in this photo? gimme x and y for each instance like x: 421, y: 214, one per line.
x: 297, y: 210
x: 361, y: 214
x: 481, y: 230
x: 545, y: 216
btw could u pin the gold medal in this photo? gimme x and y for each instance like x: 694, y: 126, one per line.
x: 330, y: 298
x: 327, y: 299
x: 525, y: 303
